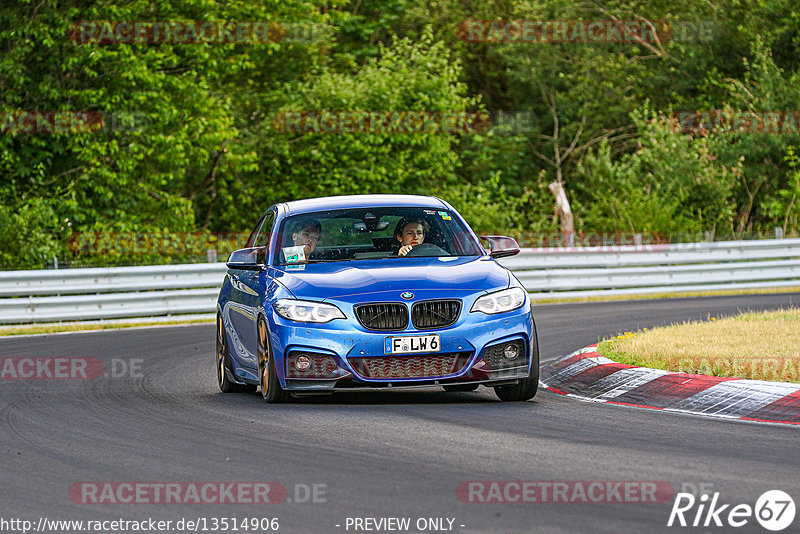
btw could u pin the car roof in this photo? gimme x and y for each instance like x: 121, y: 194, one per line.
x: 362, y: 201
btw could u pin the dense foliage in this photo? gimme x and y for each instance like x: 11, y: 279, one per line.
x: 191, y: 141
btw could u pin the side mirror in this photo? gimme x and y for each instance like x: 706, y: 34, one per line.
x: 501, y: 246
x: 246, y: 258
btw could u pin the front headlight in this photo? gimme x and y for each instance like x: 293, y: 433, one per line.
x: 500, y: 301
x: 307, y: 311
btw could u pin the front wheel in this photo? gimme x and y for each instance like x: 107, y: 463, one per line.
x: 527, y: 387
x: 271, y: 388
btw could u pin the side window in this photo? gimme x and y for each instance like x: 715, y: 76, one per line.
x: 252, y: 238
x: 265, y: 232
x: 264, y: 235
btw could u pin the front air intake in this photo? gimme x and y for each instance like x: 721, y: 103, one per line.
x: 435, y: 313
x: 388, y: 316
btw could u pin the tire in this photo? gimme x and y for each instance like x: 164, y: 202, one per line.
x: 223, y: 363
x: 527, y: 387
x: 461, y: 387
x: 271, y: 388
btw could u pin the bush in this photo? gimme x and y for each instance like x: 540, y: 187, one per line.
x: 670, y: 184
x: 31, y: 234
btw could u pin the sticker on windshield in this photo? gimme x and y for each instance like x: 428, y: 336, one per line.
x: 446, y: 216
x: 294, y: 254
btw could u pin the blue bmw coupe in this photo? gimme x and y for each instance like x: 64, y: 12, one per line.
x: 372, y: 292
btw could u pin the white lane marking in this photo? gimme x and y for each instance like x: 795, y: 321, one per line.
x: 586, y: 399
x: 576, y: 368
x: 584, y: 350
x: 600, y: 360
x: 625, y: 380
x: 693, y: 412
x: 737, y: 398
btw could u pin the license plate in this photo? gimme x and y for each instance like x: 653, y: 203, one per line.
x: 411, y: 344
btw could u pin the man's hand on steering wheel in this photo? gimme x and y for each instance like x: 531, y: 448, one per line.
x: 405, y: 249
x: 424, y: 250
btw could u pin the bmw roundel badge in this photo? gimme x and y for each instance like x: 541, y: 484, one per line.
x: 406, y: 295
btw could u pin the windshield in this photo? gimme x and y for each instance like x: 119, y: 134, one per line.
x: 373, y: 234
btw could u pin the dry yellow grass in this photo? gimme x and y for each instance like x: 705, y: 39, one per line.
x: 757, y: 345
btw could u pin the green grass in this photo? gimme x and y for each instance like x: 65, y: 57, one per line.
x: 87, y: 327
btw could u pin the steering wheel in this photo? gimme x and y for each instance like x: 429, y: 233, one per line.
x: 426, y: 249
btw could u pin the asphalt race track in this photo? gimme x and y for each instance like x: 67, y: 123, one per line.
x: 384, y: 454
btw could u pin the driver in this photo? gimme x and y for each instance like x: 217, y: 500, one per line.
x: 307, y: 234
x: 410, y: 232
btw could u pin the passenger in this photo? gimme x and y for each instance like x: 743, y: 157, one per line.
x: 410, y: 232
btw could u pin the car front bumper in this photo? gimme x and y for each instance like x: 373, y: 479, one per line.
x: 341, y: 357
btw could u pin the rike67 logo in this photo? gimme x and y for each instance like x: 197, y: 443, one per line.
x: 774, y: 510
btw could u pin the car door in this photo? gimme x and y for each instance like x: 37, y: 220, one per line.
x: 246, y: 295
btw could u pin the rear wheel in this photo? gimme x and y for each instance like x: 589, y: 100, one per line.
x: 461, y: 387
x: 223, y: 362
x: 527, y: 387
x: 270, y: 386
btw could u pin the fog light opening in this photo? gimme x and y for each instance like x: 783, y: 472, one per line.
x: 511, y: 351
x: 302, y: 363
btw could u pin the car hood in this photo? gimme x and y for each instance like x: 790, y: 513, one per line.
x: 319, y: 281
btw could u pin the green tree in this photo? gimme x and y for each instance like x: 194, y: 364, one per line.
x: 672, y: 184
x: 764, y: 87
x: 153, y: 175
x: 418, y: 76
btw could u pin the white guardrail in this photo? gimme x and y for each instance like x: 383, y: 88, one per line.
x: 167, y: 290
